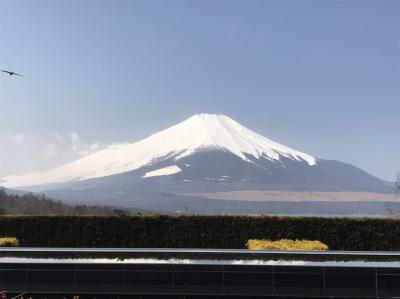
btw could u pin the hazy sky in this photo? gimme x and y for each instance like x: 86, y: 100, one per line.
x: 322, y: 77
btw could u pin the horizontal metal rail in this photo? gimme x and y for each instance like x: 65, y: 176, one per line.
x: 198, y: 250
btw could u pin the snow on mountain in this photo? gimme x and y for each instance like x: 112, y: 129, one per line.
x: 163, y: 171
x: 197, y: 133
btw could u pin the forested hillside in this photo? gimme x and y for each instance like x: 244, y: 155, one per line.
x: 32, y: 204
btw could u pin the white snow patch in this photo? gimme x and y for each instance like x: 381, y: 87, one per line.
x: 197, y: 133
x: 163, y: 171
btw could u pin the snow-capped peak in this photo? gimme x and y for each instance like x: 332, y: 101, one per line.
x: 199, y: 132
x: 221, y: 131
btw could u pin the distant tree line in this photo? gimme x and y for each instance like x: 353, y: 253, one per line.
x: 33, y: 204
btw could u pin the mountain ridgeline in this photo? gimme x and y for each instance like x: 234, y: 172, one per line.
x: 180, y: 168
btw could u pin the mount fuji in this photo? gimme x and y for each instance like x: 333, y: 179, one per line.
x: 178, y: 168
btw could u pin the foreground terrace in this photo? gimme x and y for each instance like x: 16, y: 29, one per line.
x: 199, y: 272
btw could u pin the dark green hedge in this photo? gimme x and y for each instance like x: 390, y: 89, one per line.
x: 198, y: 231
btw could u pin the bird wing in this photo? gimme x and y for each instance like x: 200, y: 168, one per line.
x: 5, y: 71
x: 17, y: 74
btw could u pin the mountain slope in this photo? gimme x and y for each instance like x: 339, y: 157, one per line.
x: 177, y: 169
x: 199, y: 132
x: 19, y: 203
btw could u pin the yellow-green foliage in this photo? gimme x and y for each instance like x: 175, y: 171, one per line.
x: 285, y: 244
x: 9, y: 242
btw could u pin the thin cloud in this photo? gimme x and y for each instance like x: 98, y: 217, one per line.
x: 80, y: 147
x: 57, y: 137
x: 51, y: 150
x: 76, y: 142
x: 18, y: 138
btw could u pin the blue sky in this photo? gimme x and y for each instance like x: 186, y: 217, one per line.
x: 322, y: 77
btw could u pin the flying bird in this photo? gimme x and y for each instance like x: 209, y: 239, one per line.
x: 11, y: 73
